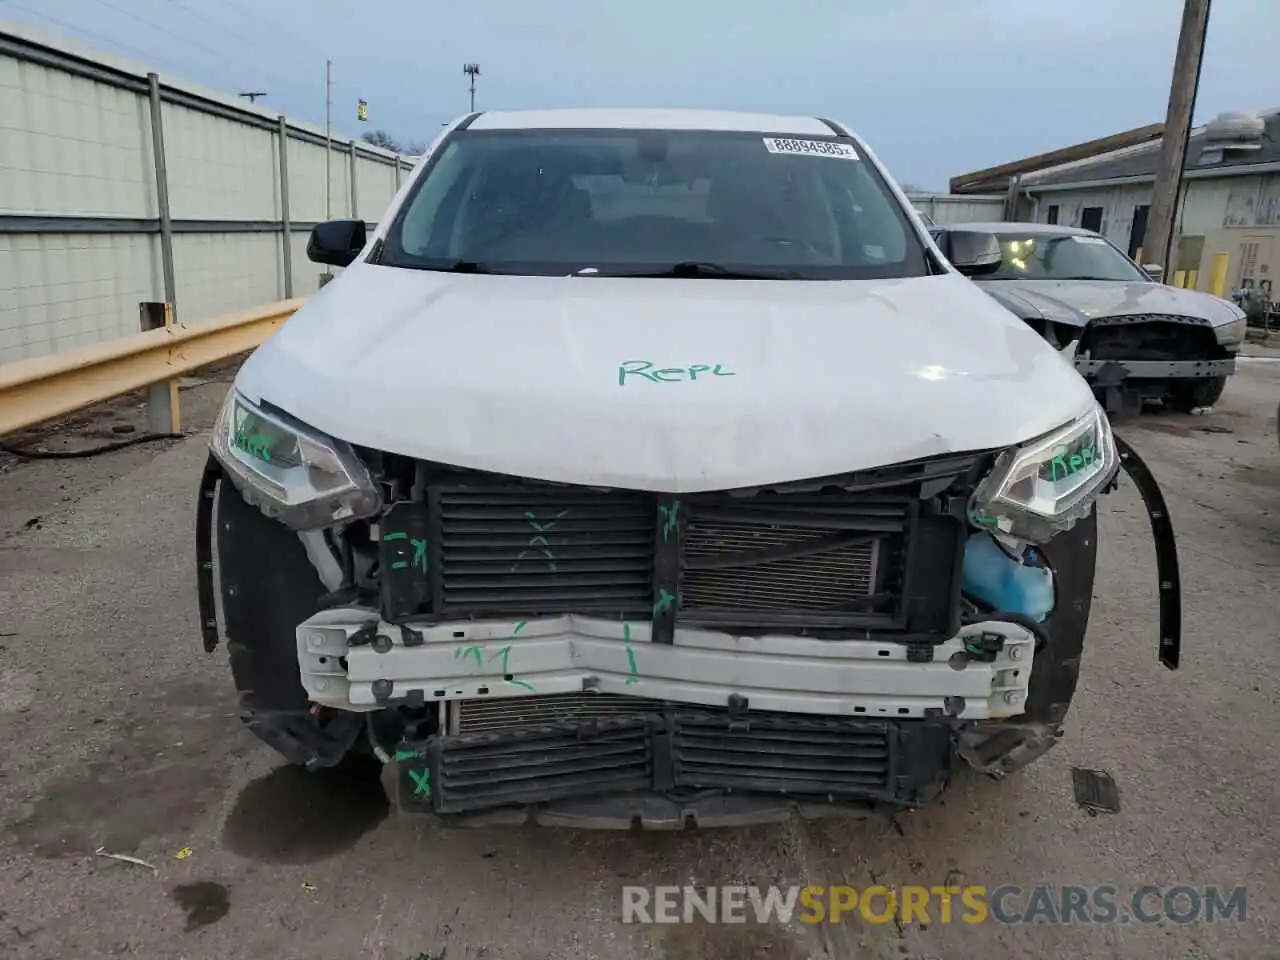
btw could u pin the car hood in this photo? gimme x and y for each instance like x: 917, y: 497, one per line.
x: 1076, y: 302
x: 746, y: 383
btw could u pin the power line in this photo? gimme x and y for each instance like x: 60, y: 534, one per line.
x: 221, y: 57
x: 160, y: 29
x: 223, y: 27
x: 40, y: 15
x: 275, y: 26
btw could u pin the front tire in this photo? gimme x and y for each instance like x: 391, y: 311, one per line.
x: 1199, y: 393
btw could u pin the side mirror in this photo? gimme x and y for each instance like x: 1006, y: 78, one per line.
x: 336, y: 242
x: 1153, y: 270
x: 975, y: 253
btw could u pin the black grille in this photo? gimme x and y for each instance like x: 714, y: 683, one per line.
x: 874, y: 551
x: 485, y: 714
x: 539, y: 765
x: 783, y: 754
x: 522, y: 549
x: 1149, y: 337
x: 676, y: 749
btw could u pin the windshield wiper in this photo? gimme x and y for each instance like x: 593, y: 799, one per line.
x: 697, y: 269
x: 449, y: 266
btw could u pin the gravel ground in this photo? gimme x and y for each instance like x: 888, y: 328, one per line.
x: 121, y: 734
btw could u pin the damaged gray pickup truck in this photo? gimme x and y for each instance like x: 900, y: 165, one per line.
x: 655, y: 467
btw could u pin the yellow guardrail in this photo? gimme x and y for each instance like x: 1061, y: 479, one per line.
x: 44, y: 388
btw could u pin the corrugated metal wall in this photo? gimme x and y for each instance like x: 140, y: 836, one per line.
x: 946, y: 209
x: 1236, y: 217
x: 80, y: 241
x: 1117, y: 203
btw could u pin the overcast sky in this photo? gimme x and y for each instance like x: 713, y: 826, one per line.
x: 938, y: 87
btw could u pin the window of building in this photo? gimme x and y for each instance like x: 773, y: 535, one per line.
x: 1091, y: 218
x: 1052, y: 215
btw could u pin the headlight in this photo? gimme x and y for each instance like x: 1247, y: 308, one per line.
x: 1232, y: 332
x: 1043, y: 487
x: 290, y: 472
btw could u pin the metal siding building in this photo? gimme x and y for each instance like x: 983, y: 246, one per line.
x: 1227, y: 230
x: 945, y: 209
x: 81, y: 243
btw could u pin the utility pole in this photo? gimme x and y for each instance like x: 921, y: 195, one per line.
x: 253, y: 95
x: 1177, y: 132
x: 328, y: 138
x: 472, y: 70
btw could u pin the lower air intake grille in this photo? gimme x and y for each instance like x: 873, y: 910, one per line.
x: 508, y: 548
x: 783, y: 754
x: 540, y: 765
x: 483, y: 715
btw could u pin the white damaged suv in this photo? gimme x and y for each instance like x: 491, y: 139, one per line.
x: 654, y: 467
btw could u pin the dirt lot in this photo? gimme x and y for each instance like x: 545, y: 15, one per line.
x: 121, y: 734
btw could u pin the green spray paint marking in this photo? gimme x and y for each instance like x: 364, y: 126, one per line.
x: 632, y: 669
x: 664, y: 602
x: 539, y: 541
x: 255, y: 444
x: 1064, y: 465
x: 419, y: 554
x: 670, y: 518
x: 403, y: 754
x: 984, y: 519
x: 476, y: 652
x: 421, y: 782
x: 398, y: 535
x: 461, y: 653
x: 505, y: 655
x: 644, y: 368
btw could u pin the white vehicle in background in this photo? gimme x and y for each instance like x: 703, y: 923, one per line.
x: 655, y: 467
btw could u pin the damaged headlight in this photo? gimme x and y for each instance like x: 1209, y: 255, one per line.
x: 1232, y: 331
x: 290, y: 472
x: 1041, y: 488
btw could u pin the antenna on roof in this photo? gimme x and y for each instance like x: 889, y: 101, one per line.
x: 472, y: 70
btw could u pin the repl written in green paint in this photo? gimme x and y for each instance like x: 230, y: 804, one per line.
x: 645, y: 369
x: 1066, y: 464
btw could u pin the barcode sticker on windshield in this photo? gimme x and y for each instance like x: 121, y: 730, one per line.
x: 811, y: 148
